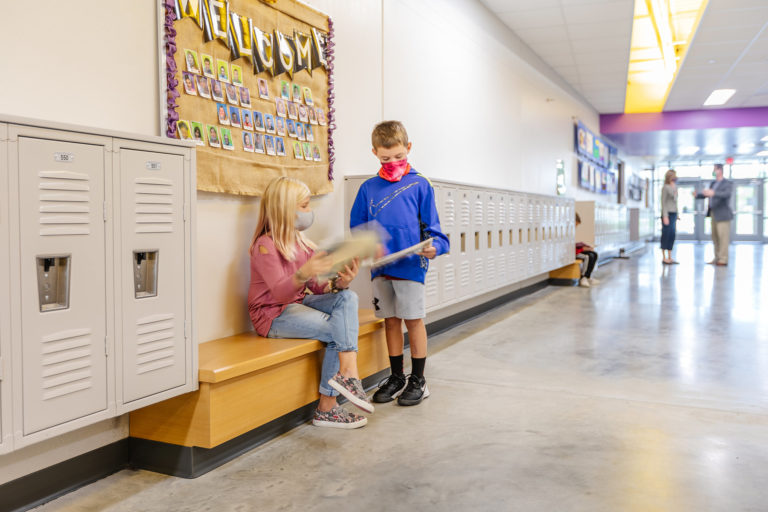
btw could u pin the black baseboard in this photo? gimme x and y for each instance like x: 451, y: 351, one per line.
x: 47, y: 484
x: 556, y: 281
x: 193, y: 461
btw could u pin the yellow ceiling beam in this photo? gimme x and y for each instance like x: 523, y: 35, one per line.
x: 656, y: 30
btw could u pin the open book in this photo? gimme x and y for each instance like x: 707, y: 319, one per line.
x: 361, y: 244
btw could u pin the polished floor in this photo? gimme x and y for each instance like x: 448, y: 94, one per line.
x: 647, y: 392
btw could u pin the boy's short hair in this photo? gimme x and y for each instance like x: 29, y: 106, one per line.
x: 578, y: 219
x: 389, y: 133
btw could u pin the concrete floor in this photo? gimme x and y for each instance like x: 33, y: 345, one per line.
x: 647, y: 392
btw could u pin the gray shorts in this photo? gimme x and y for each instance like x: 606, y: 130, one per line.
x: 398, y: 298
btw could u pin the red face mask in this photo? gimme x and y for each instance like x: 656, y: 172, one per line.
x: 394, y: 171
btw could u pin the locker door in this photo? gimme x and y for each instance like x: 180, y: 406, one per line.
x: 151, y: 259
x: 500, y: 239
x: 465, y: 244
x: 478, y: 241
x: 490, y: 241
x: 5, y: 305
x: 447, y: 209
x: 63, y: 283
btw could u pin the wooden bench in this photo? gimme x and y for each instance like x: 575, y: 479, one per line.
x: 246, y: 381
x: 567, y: 274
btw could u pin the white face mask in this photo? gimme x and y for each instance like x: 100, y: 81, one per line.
x: 304, y: 220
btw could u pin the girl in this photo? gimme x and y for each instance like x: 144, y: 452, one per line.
x: 283, y: 266
x: 668, y: 216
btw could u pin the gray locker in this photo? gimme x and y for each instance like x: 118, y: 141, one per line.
x: 466, y: 244
x: 6, y: 406
x: 152, y: 347
x: 447, y: 263
x: 62, y: 251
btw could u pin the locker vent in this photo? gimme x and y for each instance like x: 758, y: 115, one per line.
x: 449, y: 214
x: 465, y: 213
x: 66, y: 363
x: 491, y: 214
x: 465, y: 276
x: 491, y: 270
x: 431, y: 286
x: 155, y: 342
x: 478, y: 220
x: 154, y: 205
x: 448, y: 278
x: 64, y: 203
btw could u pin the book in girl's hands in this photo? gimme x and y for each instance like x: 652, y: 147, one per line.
x: 360, y: 244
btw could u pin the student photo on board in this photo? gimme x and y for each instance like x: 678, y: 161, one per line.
x: 247, y: 120
x: 237, y: 75
x: 231, y: 94
x: 202, y: 87
x: 189, y: 83
x: 307, y: 151
x: 280, y: 107
x: 258, y: 121
x: 248, y: 141
x: 303, y: 114
x: 223, y: 67
x: 263, y: 89
x: 300, y: 131
x: 213, y: 136
x: 308, y: 96
x: 316, y: 153
x: 226, y: 139
x: 221, y: 112
x: 234, y: 116
x: 245, y: 97
x: 280, y: 125
x: 280, y: 146
x: 197, y: 132
x: 312, y: 116
x: 191, y: 57
x: 296, y: 93
x: 269, y: 144
x: 217, y: 93
x: 308, y: 132
x: 321, y: 117
x: 285, y: 90
x: 293, y: 112
x: 297, y: 153
x: 291, y: 124
x: 184, y: 131
x: 269, y: 123
x: 258, y: 143
x: 208, y: 65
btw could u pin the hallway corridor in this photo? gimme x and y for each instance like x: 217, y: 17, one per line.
x: 647, y: 392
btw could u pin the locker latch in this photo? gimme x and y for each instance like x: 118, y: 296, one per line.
x: 145, y: 273
x: 53, y: 282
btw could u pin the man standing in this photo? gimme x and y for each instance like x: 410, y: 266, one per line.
x: 719, y: 194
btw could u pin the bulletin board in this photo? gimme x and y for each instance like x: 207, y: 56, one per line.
x: 250, y: 82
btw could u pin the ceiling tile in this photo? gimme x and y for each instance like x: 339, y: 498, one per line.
x: 621, y: 10
x: 518, y: 5
x: 534, y: 18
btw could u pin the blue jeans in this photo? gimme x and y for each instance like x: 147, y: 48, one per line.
x: 330, y: 318
x: 668, y: 232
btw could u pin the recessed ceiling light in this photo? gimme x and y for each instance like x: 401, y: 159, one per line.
x: 764, y: 139
x: 689, y: 150
x: 719, y: 97
x: 762, y: 153
x: 714, y: 149
x: 711, y: 61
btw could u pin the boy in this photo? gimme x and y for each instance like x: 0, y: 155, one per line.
x: 402, y: 201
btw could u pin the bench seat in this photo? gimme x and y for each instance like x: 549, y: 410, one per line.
x: 247, y: 381
x: 569, y: 272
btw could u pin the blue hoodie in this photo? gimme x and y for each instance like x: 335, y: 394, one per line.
x: 406, y: 209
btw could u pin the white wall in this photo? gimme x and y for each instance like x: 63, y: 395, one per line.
x: 479, y: 106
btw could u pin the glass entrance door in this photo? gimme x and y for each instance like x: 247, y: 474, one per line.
x: 691, y: 212
x: 748, y: 205
x: 750, y: 219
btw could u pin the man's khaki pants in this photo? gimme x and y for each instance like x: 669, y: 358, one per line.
x: 721, y: 237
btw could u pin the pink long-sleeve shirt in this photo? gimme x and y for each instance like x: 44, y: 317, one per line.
x: 272, y: 287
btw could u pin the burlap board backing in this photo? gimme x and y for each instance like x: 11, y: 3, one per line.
x: 239, y: 172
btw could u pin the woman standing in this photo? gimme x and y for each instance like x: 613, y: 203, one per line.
x: 668, y: 216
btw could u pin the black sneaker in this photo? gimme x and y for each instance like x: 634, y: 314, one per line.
x: 389, y: 389
x: 415, y: 391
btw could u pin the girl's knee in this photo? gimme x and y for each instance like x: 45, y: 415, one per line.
x: 348, y: 299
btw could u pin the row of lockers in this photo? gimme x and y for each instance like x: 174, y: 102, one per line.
x: 95, y: 276
x: 604, y: 225
x: 498, y: 238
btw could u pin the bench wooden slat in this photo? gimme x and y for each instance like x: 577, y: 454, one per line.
x: 237, y: 355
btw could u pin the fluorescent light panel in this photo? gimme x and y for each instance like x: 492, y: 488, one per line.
x: 719, y: 97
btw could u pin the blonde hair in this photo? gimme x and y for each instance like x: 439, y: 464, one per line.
x: 277, y: 216
x: 388, y: 134
x: 668, y: 176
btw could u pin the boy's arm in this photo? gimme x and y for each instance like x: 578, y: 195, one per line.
x: 431, y: 222
x: 359, y: 213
